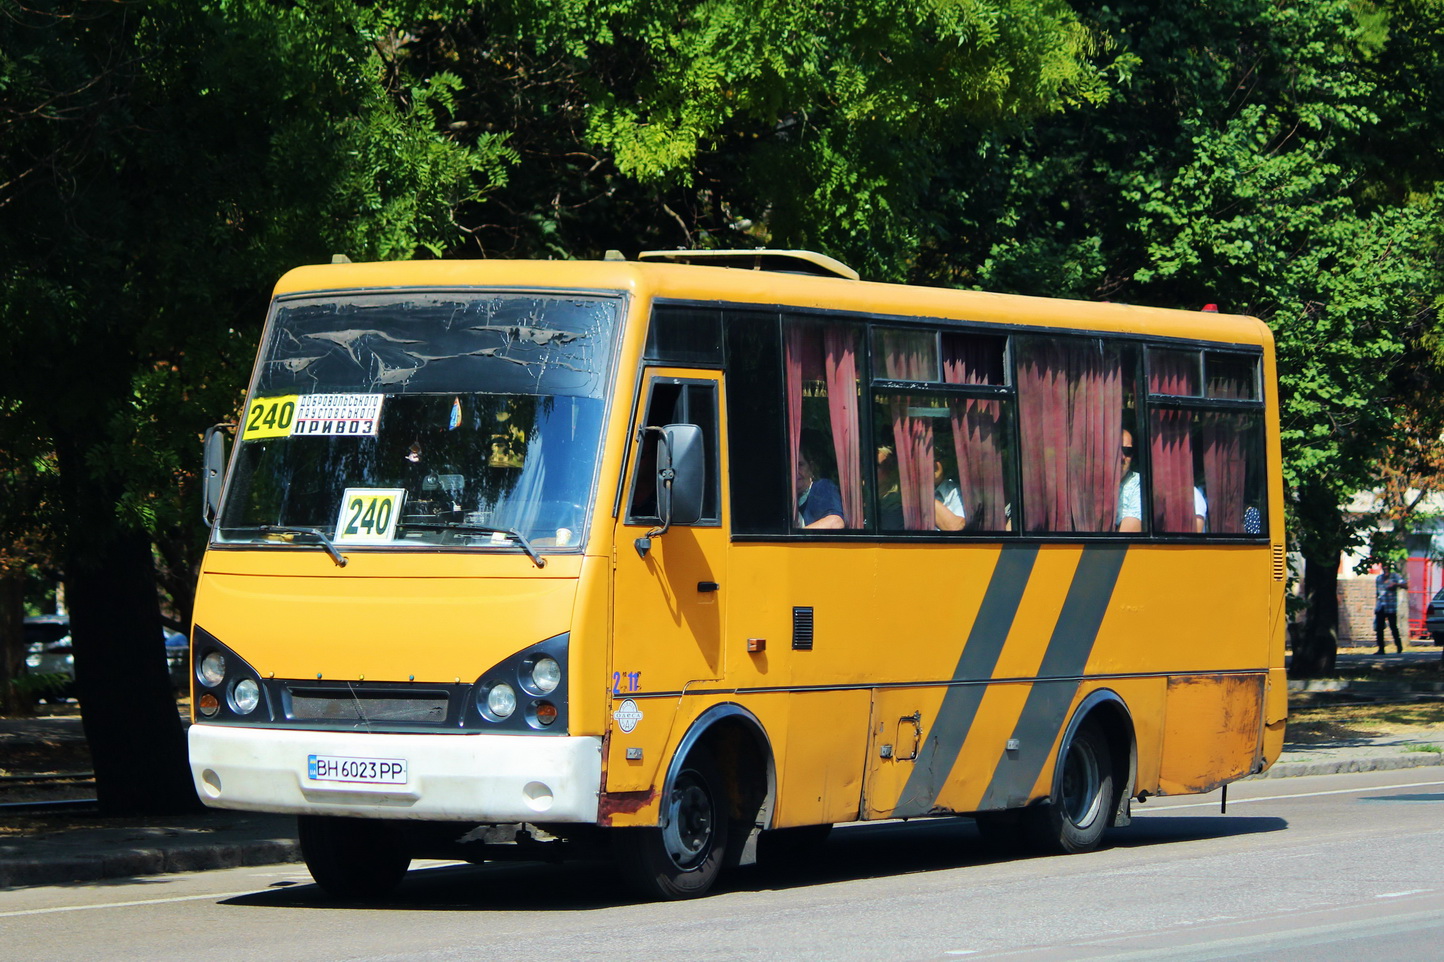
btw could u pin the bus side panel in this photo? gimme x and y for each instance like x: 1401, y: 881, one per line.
x: 1212, y: 732
x: 966, y: 750
x: 587, y: 651
x: 820, y: 770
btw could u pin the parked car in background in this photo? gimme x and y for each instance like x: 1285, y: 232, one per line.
x: 48, y: 653
x: 1434, y: 617
x: 178, y: 661
x: 49, y: 660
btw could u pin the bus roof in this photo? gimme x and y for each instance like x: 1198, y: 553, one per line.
x: 739, y: 279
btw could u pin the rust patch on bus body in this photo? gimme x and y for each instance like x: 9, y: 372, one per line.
x: 622, y: 803
x: 1212, y: 732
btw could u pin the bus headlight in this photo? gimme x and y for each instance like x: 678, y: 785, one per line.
x: 212, y: 669
x: 245, y: 696
x: 501, y: 700
x: 546, y: 674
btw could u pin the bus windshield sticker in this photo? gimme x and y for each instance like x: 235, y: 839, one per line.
x: 369, y: 515
x: 324, y: 415
x: 270, y: 417
x: 350, y: 415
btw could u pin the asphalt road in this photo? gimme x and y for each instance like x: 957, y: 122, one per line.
x: 1317, y: 868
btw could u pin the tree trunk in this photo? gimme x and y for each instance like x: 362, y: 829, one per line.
x: 1316, y: 651
x: 1324, y: 532
x: 12, y: 639
x: 137, y: 743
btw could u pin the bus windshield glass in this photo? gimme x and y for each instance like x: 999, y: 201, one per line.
x: 459, y: 419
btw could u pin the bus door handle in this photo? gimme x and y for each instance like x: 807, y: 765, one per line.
x: 916, y: 721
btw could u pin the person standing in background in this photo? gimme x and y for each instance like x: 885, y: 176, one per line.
x: 1386, y: 605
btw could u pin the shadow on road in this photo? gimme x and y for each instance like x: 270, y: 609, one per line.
x: 852, y: 852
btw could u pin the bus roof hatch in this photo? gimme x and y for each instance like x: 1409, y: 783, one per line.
x: 792, y: 262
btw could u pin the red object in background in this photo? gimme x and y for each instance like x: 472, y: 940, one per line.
x: 1211, y: 308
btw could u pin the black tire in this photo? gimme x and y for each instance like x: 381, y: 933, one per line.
x: 353, y: 858
x: 1438, y: 637
x: 1082, y: 804
x: 782, y: 848
x: 682, y: 857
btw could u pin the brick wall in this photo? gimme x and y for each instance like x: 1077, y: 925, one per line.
x: 1356, y: 610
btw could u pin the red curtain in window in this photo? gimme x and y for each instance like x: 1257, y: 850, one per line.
x: 840, y: 349
x: 977, y: 435
x: 827, y: 354
x: 905, y: 357
x: 1070, y: 406
x: 1171, y: 446
x: 1223, y: 472
x: 792, y: 364
x: 1223, y: 456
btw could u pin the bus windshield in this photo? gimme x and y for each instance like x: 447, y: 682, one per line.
x: 459, y: 419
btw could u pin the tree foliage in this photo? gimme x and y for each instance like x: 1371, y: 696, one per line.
x: 1245, y: 160
x: 157, y: 162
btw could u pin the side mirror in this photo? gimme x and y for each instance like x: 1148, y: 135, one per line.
x: 214, y: 471
x: 681, y: 474
x: 681, y: 451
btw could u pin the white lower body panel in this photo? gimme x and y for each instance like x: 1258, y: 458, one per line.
x: 484, y: 778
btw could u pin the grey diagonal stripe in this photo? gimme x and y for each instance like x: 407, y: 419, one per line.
x: 1046, y: 709
x: 940, y: 749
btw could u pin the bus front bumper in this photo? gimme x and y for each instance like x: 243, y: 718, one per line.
x: 484, y: 778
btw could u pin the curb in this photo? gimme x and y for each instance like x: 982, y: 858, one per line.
x: 1370, y: 763
x: 129, y: 862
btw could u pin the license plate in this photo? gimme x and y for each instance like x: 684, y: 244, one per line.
x: 370, y: 771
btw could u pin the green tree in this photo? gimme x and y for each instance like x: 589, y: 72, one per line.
x: 743, y: 122
x: 157, y: 162
x: 1240, y: 162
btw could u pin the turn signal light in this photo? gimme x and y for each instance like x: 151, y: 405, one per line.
x: 209, y: 704
x: 546, y: 712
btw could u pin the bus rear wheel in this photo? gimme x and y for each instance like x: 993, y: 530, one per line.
x: 353, y: 858
x: 682, y: 856
x: 1083, y: 801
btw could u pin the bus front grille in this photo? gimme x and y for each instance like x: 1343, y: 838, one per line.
x: 367, y: 707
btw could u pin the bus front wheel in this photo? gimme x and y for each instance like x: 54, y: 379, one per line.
x: 352, y: 858
x: 682, y: 856
x: 1083, y: 801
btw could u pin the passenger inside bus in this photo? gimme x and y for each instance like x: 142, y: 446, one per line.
x: 1130, y: 492
x: 819, y: 502
x: 948, y: 511
x: 889, y: 495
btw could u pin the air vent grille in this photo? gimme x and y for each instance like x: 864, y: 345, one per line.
x: 802, y: 629
x: 1281, y: 569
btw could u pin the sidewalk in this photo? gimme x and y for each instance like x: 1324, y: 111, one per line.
x: 68, y: 847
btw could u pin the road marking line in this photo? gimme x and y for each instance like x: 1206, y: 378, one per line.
x: 123, y: 905
x: 1400, y: 895
x: 1277, y: 798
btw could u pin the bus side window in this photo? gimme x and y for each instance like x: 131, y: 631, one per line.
x: 675, y: 402
x: 1072, y: 395
x: 760, y: 477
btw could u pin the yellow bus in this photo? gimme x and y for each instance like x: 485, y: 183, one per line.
x: 678, y: 557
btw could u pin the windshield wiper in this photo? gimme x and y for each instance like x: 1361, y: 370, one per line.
x: 288, y: 533
x: 480, y: 529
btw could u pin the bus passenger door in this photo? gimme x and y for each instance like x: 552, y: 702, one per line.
x: 668, y: 604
